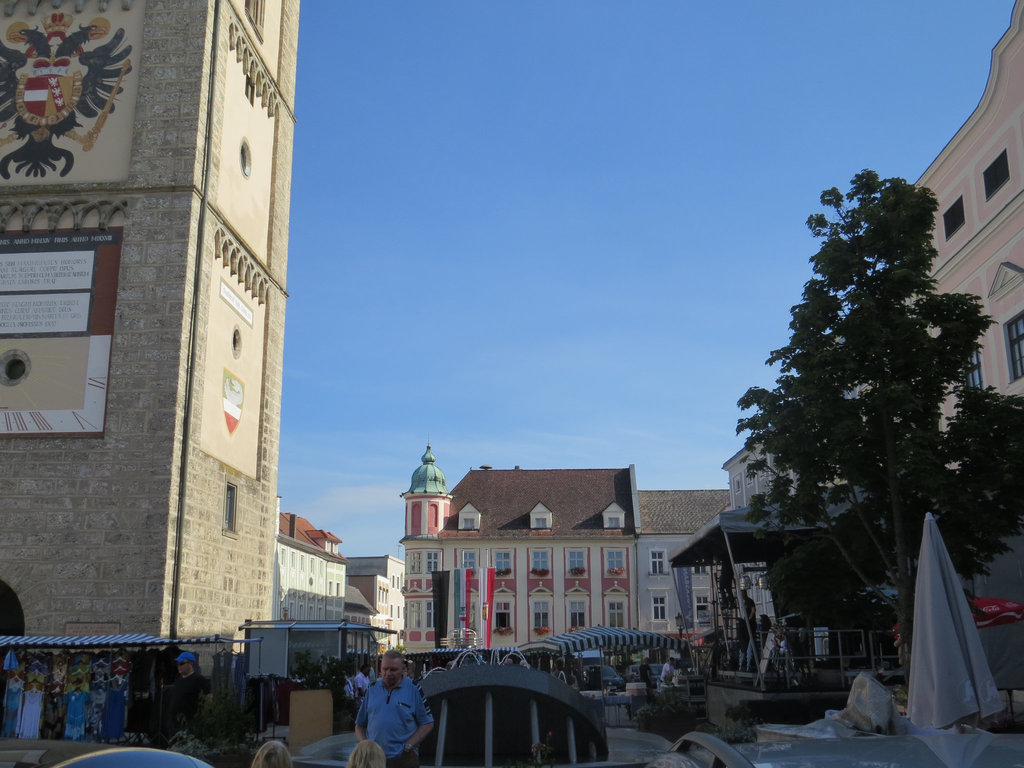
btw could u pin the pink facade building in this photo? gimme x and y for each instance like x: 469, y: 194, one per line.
x: 561, y: 541
x: 978, y: 179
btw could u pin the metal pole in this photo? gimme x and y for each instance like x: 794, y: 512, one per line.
x: 570, y: 732
x: 442, y: 730
x: 534, y: 723
x: 488, y: 731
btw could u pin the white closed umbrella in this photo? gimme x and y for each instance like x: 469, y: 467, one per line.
x: 950, y: 680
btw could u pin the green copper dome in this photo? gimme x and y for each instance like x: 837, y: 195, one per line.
x: 428, y: 477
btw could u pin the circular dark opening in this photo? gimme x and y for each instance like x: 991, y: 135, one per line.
x: 15, y: 369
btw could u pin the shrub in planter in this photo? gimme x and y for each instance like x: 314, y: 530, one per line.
x: 220, y: 728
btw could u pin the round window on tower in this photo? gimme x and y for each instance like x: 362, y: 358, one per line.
x: 246, y: 158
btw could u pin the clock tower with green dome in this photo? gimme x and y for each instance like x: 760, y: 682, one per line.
x: 427, y: 502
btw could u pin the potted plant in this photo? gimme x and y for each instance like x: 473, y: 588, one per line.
x: 502, y: 572
x: 539, y: 571
x: 221, y: 733
x: 616, y: 571
x: 542, y: 630
x: 577, y: 571
x: 503, y: 630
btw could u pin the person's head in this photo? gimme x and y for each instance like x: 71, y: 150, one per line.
x: 365, y: 669
x: 392, y: 668
x: 367, y: 754
x: 273, y: 754
x: 186, y: 662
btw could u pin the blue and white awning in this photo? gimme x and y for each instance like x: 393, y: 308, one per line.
x: 604, y: 638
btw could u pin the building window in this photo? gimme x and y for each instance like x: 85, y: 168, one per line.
x: 657, y: 561
x: 613, y: 520
x: 576, y: 562
x: 502, y: 614
x: 616, y: 613
x: 697, y: 569
x: 256, y: 11
x: 1015, y: 346
x: 433, y: 561
x: 541, y: 615
x: 230, y: 492
x: 415, y: 562
x: 658, y: 607
x: 615, y: 562
x: 250, y: 92
x: 428, y: 619
x: 503, y: 563
x: 974, y: 373
x: 577, y: 613
x: 540, y: 520
x: 540, y: 562
x: 469, y: 558
x: 953, y: 218
x: 996, y: 175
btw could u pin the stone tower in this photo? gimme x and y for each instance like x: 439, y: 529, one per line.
x: 145, y: 168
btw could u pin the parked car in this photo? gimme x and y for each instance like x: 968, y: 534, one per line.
x: 933, y: 750
x: 612, y: 680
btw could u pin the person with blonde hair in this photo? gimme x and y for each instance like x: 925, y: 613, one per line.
x: 367, y: 754
x: 273, y: 754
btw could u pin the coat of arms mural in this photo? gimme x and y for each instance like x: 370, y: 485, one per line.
x: 58, y: 85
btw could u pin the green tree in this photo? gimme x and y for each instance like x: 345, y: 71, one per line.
x: 854, y: 438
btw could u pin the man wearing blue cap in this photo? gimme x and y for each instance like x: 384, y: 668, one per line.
x: 186, y: 690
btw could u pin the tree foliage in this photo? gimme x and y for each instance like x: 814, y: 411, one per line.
x: 871, y: 423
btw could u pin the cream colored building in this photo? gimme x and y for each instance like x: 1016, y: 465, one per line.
x: 145, y: 169
x: 381, y: 580
x: 309, y: 572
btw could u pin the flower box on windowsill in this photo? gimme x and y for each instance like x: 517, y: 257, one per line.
x: 502, y: 572
x: 542, y: 630
x: 616, y: 571
x: 576, y: 629
x: 504, y: 631
x: 539, y: 572
x: 577, y: 571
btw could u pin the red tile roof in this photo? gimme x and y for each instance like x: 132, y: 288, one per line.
x: 304, y: 531
x: 575, y: 497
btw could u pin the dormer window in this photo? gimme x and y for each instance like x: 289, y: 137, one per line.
x: 614, y: 517
x: 469, y: 519
x: 540, y: 518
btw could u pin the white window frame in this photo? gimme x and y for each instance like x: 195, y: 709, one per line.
x: 658, y: 562
x: 658, y: 608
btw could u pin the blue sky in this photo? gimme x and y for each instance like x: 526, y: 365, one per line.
x: 568, y: 233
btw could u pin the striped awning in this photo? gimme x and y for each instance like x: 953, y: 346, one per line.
x: 105, y: 641
x: 603, y: 638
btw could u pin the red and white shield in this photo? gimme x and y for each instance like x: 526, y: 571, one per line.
x: 48, y: 98
x: 234, y: 395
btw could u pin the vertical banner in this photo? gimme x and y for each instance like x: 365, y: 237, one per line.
x: 460, y: 597
x: 485, y: 606
x: 684, y: 593
x: 441, y: 583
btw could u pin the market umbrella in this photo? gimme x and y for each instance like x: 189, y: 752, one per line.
x: 950, y: 680
x: 994, y: 612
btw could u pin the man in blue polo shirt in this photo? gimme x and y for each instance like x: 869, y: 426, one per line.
x: 394, y: 714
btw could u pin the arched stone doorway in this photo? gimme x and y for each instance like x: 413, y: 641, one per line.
x: 12, y: 618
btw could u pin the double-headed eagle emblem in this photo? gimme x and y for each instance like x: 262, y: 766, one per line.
x: 47, y: 82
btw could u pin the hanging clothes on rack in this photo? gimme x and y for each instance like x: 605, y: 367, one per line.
x: 79, y: 675
x: 32, y: 703
x: 55, y: 708
x: 13, y: 694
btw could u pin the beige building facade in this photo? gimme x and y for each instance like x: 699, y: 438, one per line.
x: 145, y: 170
